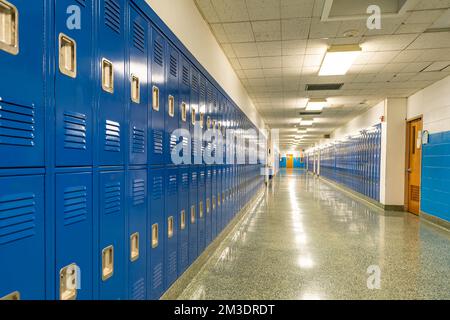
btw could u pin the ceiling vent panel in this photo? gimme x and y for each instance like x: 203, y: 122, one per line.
x: 324, y: 86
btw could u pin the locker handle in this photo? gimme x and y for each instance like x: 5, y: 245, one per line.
x: 107, y: 76
x: 170, y: 227
x: 207, y: 205
x: 12, y: 296
x: 193, y: 116
x: 155, y: 98
x: 107, y: 263
x: 183, y: 220
x: 200, y: 209
x: 134, y: 247
x: 202, y: 119
x: 183, y: 111
x: 193, y: 214
x: 155, y: 235
x: 171, y: 106
x: 9, y: 28
x: 135, y: 89
x: 68, y: 286
x: 214, y: 202
x: 67, y: 56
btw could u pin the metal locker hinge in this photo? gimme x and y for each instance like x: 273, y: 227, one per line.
x: 107, y: 263
x: 134, y: 246
x: 68, y: 282
x: 12, y: 296
x: 9, y: 28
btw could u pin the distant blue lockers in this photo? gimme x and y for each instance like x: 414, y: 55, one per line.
x: 88, y: 189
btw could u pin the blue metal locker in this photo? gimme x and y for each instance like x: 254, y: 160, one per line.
x: 73, y: 88
x: 183, y: 219
x: 157, y: 149
x: 138, y: 87
x: 196, y: 148
x: 74, y: 234
x: 201, y: 209
x: 112, y: 234
x: 220, y: 199
x: 137, y: 236
x: 203, y: 111
x: 214, y: 205
x: 21, y: 54
x: 156, y: 231
x: 22, y: 237
x: 187, y: 116
x: 111, y: 84
x: 171, y: 220
x: 193, y: 214
x: 174, y: 113
x: 208, y: 206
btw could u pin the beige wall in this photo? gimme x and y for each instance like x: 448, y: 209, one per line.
x: 186, y: 22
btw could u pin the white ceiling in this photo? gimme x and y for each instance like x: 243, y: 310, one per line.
x: 276, y: 47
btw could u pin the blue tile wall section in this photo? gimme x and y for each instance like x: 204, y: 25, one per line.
x: 436, y: 176
x: 88, y: 191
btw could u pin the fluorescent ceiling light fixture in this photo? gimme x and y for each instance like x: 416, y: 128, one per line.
x: 316, y: 104
x: 339, y: 59
x: 306, y: 123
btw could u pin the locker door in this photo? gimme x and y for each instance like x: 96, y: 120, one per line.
x: 193, y: 215
x: 111, y: 84
x: 183, y: 220
x: 173, y: 101
x: 22, y: 237
x: 156, y: 231
x: 214, y: 203
x: 73, y: 87
x: 21, y: 53
x: 208, y: 207
x: 137, y: 86
x: 158, y: 101
x: 112, y: 234
x: 74, y: 235
x: 171, y: 220
x: 186, y: 115
x: 195, y: 115
x: 203, y: 111
x: 137, y: 202
x: 220, y: 222
x: 201, y: 210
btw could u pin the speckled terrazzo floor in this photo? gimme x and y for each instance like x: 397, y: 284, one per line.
x: 305, y: 240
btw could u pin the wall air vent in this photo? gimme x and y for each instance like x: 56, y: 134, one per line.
x: 310, y: 113
x: 324, y: 87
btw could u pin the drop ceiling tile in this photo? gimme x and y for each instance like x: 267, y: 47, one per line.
x: 425, y: 16
x: 415, y: 66
x: 310, y: 70
x: 295, y: 29
x: 208, y: 11
x: 235, y: 63
x: 292, y: 61
x: 254, y: 73
x: 316, y: 46
x: 245, y: 50
x: 271, y: 48
x: 387, y: 43
x: 434, y: 55
x: 272, y: 72
x: 320, y: 29
x: 429, y: 76
x: 383, y: 56
x: 294, y: 47
x: 412, y: 28
x: 250, y: 63
x: 267, y: 30
x: 394, y: 67
x: 231, y: 10
x: 432, y: 4
x: 437, y: 66
x: 263, y: 9
x: 228, y: 49
x: 271, y: 62
x: 312, y: 60
x: 239, y: 32
x: 432, y: 40
x: 296, y: 8
x: 219, y: 32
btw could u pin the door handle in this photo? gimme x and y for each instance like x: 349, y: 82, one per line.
x: 409, y: 170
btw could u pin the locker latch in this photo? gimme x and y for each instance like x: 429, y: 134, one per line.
x: 134, y: 246
x: 135, y: 89
x: 9, y: 28
x: 12, y: 296
x: 107, y: 76
x: 202, y: 119
x: 214, y: 202
x: 171, y: 106
x: 155, y: 235
x: 208, y: 205
x: 200, y: 209
x: 107, y: 263
x: 193, y: 116
x: 183, y: 220
x: 170, y: 227
x: 155, y: 98
x: 219, y: 202
x: 67, y: 56
x: 183, y: 111
x: 68, y: 282
x: 192, y: 214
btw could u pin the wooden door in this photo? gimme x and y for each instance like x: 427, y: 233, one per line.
x: 289, y: 161
x: 413, y: 165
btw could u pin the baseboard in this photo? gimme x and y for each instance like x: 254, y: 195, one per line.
x: 435, y: 220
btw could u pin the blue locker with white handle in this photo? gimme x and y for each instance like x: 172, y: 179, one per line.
x: 208, y: 205
x: 187, y: 115
x: 183, y: 225
x: 74, y: 88
x: 201, y: 225
x: 214, y: 214
x: 172, y: 102
x: 137, y: 236
x: 137, y: 86
x: 111, y: 83
x: 156, y: 231
x: 111, y: 197
x: 74, y: 229
x: 171, y: 220
x: 193, y: 214
x: 22, y: 237
x: 196, y: 147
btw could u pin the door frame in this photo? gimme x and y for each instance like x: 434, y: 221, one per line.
x: 407, y: 149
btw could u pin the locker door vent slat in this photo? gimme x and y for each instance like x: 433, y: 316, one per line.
x: 112, y: 15
x: 172, y: 187
x: 17, y: 125
x: 82, y: 2
x: 158, y: 53
x: 138, y: 292
x: 112, y: 136
x: 75, y: 205
x: 112, y: 202
x: 202, y: 88
x: 138, y: 37
x: 157, y: 191
x: 138, y: 140
x: 158, y: 141
x: 173, y: 66
x: 17, y: 217
x: 185, y: 76
x: 138, y: 192
x: 185, y: 181
x: 74, y: 131
x: 195, y: 84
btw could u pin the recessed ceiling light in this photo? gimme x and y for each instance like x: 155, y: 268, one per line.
x: 339, y: 59
x: 306, y: 123
x: 316, y: 104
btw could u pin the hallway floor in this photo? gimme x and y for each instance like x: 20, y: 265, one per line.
x: 305, y: 239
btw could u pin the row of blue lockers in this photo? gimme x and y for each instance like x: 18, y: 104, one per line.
x: 125, y: 234
x: 355, y: 162
x: 89, y: 194
x: 110, y: 93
